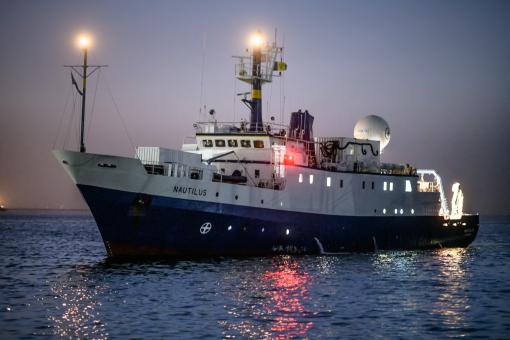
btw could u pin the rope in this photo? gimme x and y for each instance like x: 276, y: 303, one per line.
x: 270, y: 100
x: 62, y: 117
x: 93, y: 104
x: 71, y: 120
x: 235, y: 98
x: 118, y: 112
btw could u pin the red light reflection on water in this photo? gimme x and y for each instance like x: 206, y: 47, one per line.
x: 286, y: 289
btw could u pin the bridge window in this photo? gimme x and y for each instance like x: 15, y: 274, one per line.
x: 219, y: 143
x: 385, y: 186
x: 373, y: 185
x: 328, y: 181
x: 207, y: 143
x: 259, y: 144
x: 245, y: 143
x: 391, y: 186
x: 300, y: 179
x: 341, y: 183
x: 232, y: 143
x: 311, y: 179
x: 363, y: 185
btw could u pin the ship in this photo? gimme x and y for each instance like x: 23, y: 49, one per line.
x: 258, y: 188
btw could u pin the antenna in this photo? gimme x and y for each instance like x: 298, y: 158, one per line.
x: 202, y: 73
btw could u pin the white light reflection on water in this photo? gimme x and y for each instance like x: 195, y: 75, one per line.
x: 452, y: 302
x: 76, y: 314
x: 441, y: 271
x: 270, y: 303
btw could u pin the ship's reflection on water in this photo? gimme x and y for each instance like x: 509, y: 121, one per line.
x: 76, y: 313
x: 442, y: 270
x: 278, y: 298
x: 271, y: 303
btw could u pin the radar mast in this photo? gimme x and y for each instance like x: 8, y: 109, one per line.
x: 256, y: 69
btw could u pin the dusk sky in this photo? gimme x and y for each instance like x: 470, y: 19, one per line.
x: 437, y: 71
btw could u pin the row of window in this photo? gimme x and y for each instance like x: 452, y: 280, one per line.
x: 386, y: 185
x: 232, y: 143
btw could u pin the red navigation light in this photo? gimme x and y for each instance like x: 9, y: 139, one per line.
x: 288, y: 160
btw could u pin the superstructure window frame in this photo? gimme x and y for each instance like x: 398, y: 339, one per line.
x: 207, y: 143
x: 258, y: 144
x: 232, y: 143
x: 219, y: 143
x: 245, y: 143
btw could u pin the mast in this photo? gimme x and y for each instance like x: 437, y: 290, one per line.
x: 83, y: 42
x: 83, y: 96
x: 260, y: 69
x: 256, y: 88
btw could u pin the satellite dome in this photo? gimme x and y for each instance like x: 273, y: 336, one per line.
x: 373, y: 128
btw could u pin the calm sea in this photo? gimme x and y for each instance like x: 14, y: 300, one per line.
x: 55, y: 281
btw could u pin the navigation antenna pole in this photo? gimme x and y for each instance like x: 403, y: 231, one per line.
x: 84, y: 73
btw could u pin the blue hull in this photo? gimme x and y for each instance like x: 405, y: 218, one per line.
x: 142, y: 225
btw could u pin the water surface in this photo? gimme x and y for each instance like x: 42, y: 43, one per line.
x: 55, y: 281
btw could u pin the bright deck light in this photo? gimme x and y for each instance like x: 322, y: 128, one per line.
x: 83, y: 41
x: 256, y: 39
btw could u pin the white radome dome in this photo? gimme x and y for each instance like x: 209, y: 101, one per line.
x: 373, y: 128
